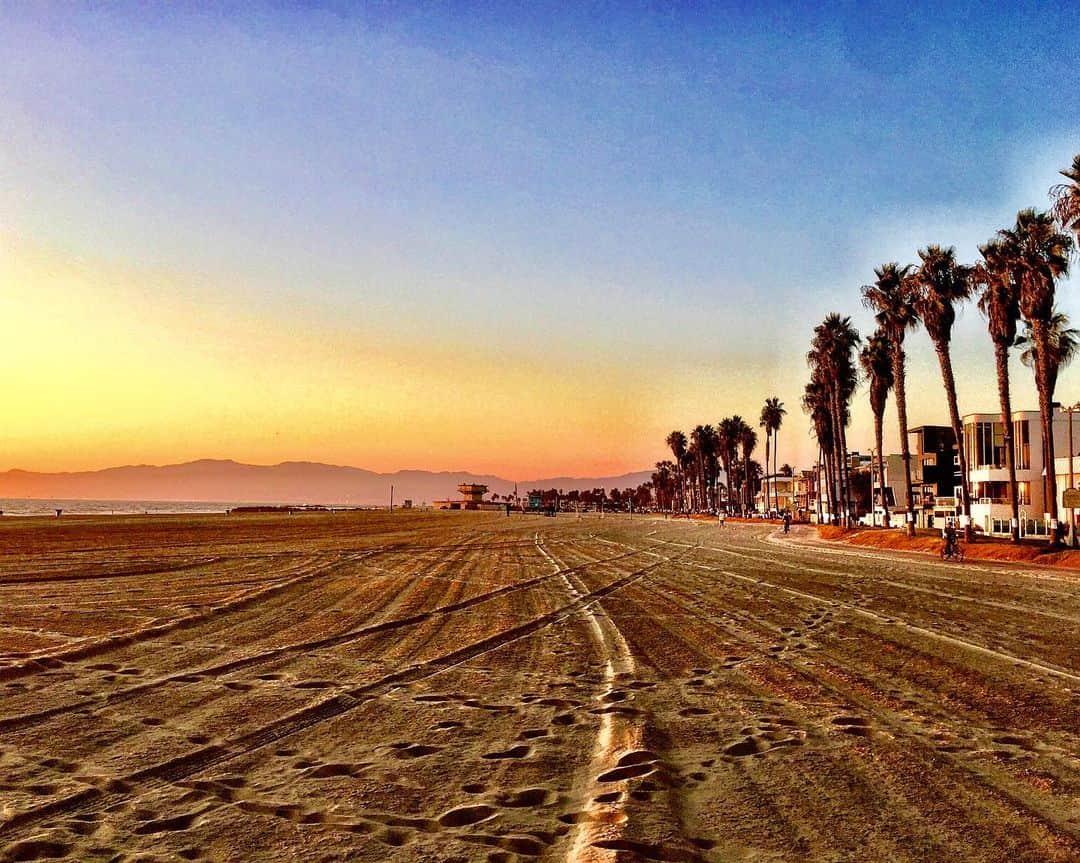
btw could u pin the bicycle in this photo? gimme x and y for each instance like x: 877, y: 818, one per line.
x: 953, y: 551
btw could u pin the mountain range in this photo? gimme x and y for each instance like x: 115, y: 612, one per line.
x: 289, y: 482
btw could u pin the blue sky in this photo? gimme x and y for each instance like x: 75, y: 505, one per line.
x: 666, y: 198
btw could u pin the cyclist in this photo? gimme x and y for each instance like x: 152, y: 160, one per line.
x: 950, y: 539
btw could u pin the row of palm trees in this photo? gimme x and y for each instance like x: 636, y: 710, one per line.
x: 690, y: 480
x: 1014, y: 280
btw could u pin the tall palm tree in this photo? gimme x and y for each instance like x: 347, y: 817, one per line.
x: 1066, y: 197
x: 663, y: 480
x: 779, y: 412
x: 703, y: 447
x: 748, y: 441
x: 728, y: 431
x: 1064, y: 341
x: 877, y: 363
x: 942, y: 283
x: 815, y: 403
x: 891, y: 298
x: 764, y: 422
x: 999, y: 301
x: 686, y: 469
x: 772, y: 417
x: 677, y: 443
x: 831, y: 361
x: 711, y: 457
x: 1039, y: 254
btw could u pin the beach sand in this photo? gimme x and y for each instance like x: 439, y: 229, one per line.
x: 460, y: 687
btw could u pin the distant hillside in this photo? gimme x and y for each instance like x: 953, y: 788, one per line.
x: 289, y: 482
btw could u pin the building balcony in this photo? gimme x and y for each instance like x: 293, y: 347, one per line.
x: 1000, y: 474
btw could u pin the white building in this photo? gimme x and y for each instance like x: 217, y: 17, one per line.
x: 984, y: 444
x: 776, y: 487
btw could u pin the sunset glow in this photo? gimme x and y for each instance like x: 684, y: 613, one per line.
x: 362, y: 245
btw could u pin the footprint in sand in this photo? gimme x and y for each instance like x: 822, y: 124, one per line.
x: 526, y: 798
x: 463, y: 816
x: 855, y: 725
x: 641, y: 762
x: 414, y: 750
x: 511, y: 753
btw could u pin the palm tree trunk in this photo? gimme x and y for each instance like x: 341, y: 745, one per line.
x: 842, y: 463
x: 945, y: 361
x: 833, y: 487
x: 901, y: 415
x: 768, y: 449
x: 878, y: 442
x: 817, y: 479
x: 775, y: 447
x: 746, y: 482
x: 1044, y: 384
x: 1001, y: 361
x: 848, y: 506
x: 830, y: 487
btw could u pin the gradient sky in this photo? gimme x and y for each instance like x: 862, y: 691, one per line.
x: 522, y: 239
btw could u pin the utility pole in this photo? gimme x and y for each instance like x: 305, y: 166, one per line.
x: 391, y: 498
x: 1072, y: 510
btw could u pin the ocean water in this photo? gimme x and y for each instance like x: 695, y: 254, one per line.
x: 45, y: 506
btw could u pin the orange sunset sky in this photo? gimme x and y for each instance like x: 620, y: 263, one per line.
x: 529, y: 245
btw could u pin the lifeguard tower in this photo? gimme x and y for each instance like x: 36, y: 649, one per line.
x: 472, y: 495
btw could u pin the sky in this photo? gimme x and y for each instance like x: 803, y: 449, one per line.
x: 526, y: 239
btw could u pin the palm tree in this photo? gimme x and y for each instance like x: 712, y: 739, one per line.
x: 764, y: 422
x: 831, y: 361
x: 703, y: 447
x: 815, y: 404
x: 891, y: 298
x: 1066, y: 197
x: 941, y: 284
x: 676, y: 442
x: 728, y: 431
x: 748, y: 441
x: 877, y: 363
x: 772, y: 417
x: 1064, y: 342
x: 663, y: 480
x: 686, y: 469
x: 711, y: 465
x: 1039, y: 254
x: 999, y: 301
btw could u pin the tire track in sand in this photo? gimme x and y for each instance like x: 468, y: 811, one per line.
x: 601, y: 821
x: 181, y: 767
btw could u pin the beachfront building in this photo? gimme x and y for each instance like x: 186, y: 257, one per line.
x: 776, y: 488
x: 1068, y: 477
x: 985, y: 441
x: 818, y: 496
x: 935, y: 479
x: 804, y: 491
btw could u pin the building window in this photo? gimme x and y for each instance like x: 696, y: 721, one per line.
x: 1023, y: 493
x: 1022, y: 444
x: 986, y: 445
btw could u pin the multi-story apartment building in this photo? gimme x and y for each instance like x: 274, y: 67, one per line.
x: 985, y: 442
x: 777, y: 487
x: 858, y: 466
x: 935, y: 477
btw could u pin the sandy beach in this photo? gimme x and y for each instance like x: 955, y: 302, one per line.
x: 473, y: 687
